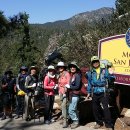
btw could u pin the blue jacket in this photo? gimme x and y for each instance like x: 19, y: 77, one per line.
x: 98, y: 85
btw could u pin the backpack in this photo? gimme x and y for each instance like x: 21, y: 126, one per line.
x: 31, y: 81
x: 109, y: 87
x: 83, y: 90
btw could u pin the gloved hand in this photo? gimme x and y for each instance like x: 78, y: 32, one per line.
x: 38, y: 84
x: 64, y: 95
x: 34, y: 85
x: 111, y: 70
x: 56, y: 86
x: 88, y: 98
x: 67, y: 86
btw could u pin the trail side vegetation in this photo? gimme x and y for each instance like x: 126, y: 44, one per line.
x: 22, y: 43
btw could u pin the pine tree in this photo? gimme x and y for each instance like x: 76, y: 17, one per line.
x: 27, y: 49
x: 123, y: 6
x: 3, y: 24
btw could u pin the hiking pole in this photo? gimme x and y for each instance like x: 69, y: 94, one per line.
x: 11, y: 111
x: 32, y: 102
x: 67, y: 100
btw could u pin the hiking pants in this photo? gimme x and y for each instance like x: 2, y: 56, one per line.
x: 20, y: 105
x: 29, y: 108
x: 106, y: 116
x: 73, y: 112
x: 64, y: 106
x: 49, y: 101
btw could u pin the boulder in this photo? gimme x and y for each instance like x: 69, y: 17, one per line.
x: 121, y: 125
x: 124, y: 122
x: 127, y: 113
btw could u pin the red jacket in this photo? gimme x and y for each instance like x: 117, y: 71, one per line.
x: 62, y: 81
x: 49, y: 84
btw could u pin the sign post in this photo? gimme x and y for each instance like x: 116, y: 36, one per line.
x: 116, y: 49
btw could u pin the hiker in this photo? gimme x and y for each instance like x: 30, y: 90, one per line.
x: 113, y: 92
x: 111, y: 85
x: 30, y: 84
x: 64, y: 79
x: 50, y: 84
x: 20, y: 86
x: 8, y: 85
x: 97, y: 81
x: 74, y: 91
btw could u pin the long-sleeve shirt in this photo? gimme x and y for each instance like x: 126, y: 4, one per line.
x: 75, y: 84
x: 49, y: 84
x: 62, y: 81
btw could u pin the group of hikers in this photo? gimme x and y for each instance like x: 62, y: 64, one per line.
x: 67, y: 80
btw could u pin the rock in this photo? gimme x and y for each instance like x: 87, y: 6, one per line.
x: 127, y: 120
x: 127, y: 113
x: 57, y: 100
x: 124, y: 111
x: 121, y: 125
x: 56, y: 106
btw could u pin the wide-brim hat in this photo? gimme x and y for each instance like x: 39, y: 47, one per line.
x: 33, y: 68
x: 61, y: 64
x: 73, y: 63
x: 24, y: 68
x: 51, y: 67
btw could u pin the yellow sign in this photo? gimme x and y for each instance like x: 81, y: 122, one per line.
x: 116, y: 50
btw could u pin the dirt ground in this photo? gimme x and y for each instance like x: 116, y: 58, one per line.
x: 85, y: 113
x: 21, y: 124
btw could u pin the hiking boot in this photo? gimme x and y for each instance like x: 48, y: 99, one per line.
x: 65, y: 123
x: 74, y: 125
x: 97, y: 126
x: 47, y: 122
x: 17, y: 116
x: 53, y: 120
x: 28, y: 119
x: 3, y: 117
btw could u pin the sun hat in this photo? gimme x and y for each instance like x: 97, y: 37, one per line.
x: 74, y: 63
x: 61, y: 64
x: 23, y: 68
x: 51, y: 67
x: 33, y: 67
x: 94, y: 58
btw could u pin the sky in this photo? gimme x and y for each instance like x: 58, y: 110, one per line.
x: 42, y: 11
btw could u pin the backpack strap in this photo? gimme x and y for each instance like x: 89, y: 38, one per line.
x: 49, y: 80
x: 31, y: 79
